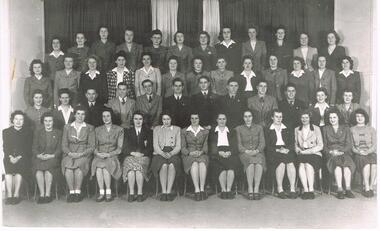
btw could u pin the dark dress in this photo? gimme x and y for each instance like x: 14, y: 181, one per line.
x: 158, y: 57
x: 283, y: 53
x: 304, y: 87
x: 333, y: 60
x: 50, y: 143
x: 218, y: 163
x: 104, y: 51
x: 17, y: 143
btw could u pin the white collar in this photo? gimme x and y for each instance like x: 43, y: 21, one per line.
x: 218, y: 130
x: 70, y: 108
x: 248, y: 76
x: 59, y: 54
x: 272, y: 127
x: 121, y: 99
x: 227, y: 45
x: 190, y: 129
x: 83, y: 125
x: 300, y: 73
x: 125, y: 69
x: 171, y: 127
x: 176, y: 96
x: 96, y: 72
x: 346, y: 74
x: 203, y: 92
x: 149, y: 70
x: 324, y: 105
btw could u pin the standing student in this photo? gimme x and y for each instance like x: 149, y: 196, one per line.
x: 276, y: 78
x: 281, y: 48
x: 325, y: 78
x: 229, y: 49
x: 347, y: 107
x: 34, y: 112
x: 182, y: 52
x: 54, y: 60
x: 64, y: 113
x: 255, y: 48
x: 307, y: 53
x: 248, y: 79
x: 168, y: 78
x: 332, y: 51
x: 220, y: 77
x: 81, y: 51
x: 158, y: 51
x: 348, y: 79
x: 302, y: 80
x: 133, y: 50
x: 193, y: 76
x: 206, y: 52
x: 103, y: 48
x: 148, y: 72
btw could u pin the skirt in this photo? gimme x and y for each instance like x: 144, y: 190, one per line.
x: 277, y: 158
x: 132, y: 163
x: 344, y: 160
x: 188, y: 160
x: 112, y: 165
x: 158, y: 161
x: 21, y: 167
x: 51, y: 165
x: 361, y: 161
x: 247, y: 160
x: 219, y: 164
x: 314, y: 160
x: 83, y: 163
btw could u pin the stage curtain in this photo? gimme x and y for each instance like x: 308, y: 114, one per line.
x: 164, y: 17
x: 189, y: 20
x: 65, y: 18
x: 312, y: 16
x: 211, y: 19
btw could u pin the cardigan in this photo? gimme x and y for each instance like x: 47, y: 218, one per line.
x: 312, y: 143
x: 364, y: 138
x: 351, y: 82
x: 191, y: 142
x: 259, y: 55
x: 185, y: 55
x: 207, y: 55
x: 232, y: 54
x: 166, y: 137
x: 133, y: 55
x: 304, y: 87
x: 105, y: 52
x: 44, y: 84
x: 34, y: 116
x: 219, y: 81
x: 123, y: 117
x: 69, y: 81
x: 153, y: 74
x: 48, y: 143
x: 250, y: 138
x: 128, y: 78
x: 276, y: 80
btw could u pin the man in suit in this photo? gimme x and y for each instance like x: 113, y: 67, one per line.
x: 291, y: 107
x: 122, y: 106
x: 233, y: 104
x: 178, y: 105
x: 94, y: 109
x: 325, y: 78
x: 132, y: 49
x: 150, y: 104
x: 262, y: 105
x: 205, y: 103
x: 256, y: 49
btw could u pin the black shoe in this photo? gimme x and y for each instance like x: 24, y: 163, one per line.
x: 131, y: 197
x: 109, y: 197
x: 70, y: 198
x: 41, y: 200
x: 48, y: 199
x: 140, y: 198
x: 305, y: 196
x: 256, y: 196
x: 371, y: 193
x: 100, y: 198
x: 282, y: 195
x: 16, y: 200
x: 230, y: 195
x: 311, y: 196
x: 250, y: 196
x: 223, y: 195
x: 8, y: 200
x: 170, y: 196
x: 203, y: 195
x: 198, y: 196
x: 340, y: 195
x: 349, y: 194
x: 164, y: 197
x: 78, y: 197
x: 293, y: 195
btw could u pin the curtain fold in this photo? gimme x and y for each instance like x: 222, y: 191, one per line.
x: 164, y: 17
x: 211, y: 19
x: 190, y: 20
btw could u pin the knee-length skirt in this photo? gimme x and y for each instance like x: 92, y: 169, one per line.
x: 188, y: 160
x: 361, y: 161
x: 276, y: 158
x: 21, y: 167
x: 344, y: 160
x: 219, y: 164
x: 247, y: 160
x: 132, y: 163
x: 314, y: 160
x: 51, y: 165
x: 158, y: 161
x: 83, y: 163
x: 111, y: 164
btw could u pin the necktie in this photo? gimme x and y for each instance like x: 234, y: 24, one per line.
x: 149, y: 99
x: 123, y: 101
x: 205, y: 95
x: 262, y: 100
x: 91, y: 105
x: 177, y: 97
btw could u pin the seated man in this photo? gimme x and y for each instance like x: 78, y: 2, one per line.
x: 150, y: 104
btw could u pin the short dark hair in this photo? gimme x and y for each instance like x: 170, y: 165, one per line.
x: 120, y: 54
x: 321, y: 89
x: 129, y: 29
x: 70, y: 55
x: 178, y: 80
x: 334, y: 110
x: 64, y: 91
x: 97, y: 60
x: 47, y: 114
x: 247, y: 57
x: 59, y: 39
x: 146, y: 53
x: 276, y: 111
x: 193, y: 61
x: 175, y: 35
x: 17, y: 112
x: 300, y: 60
x: 113, y: 116
x: 261, y: 80
x: 349, y: 60
x: 163, y: 113
x: 233, y: 80
x: 102, y: 26
x: 253, y: 27
x: 157, y: 31
x: 80, y: 108
x: 91, y: 88
x: 207, y: 34
x: 173, y: 58
x: 220, y: 36
x: 337, y: 38
x: 146, y: 81
x: 282, y: 27
x: 138, y: 112
x: 290, y: 85
x: 40, y: 92
x: 37, y: 61
x: 122, y: 84
x: 362, y: 112
x: 322, y: 55
x: 204, y: 77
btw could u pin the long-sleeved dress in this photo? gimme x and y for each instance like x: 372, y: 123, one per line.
x: 364, y: 138
x: 191, y: 142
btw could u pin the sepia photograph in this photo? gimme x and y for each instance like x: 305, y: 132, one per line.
x: 189, y: 114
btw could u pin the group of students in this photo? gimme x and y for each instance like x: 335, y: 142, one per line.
x: 214, y: 125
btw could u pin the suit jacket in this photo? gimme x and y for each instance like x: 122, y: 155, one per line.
x: 93, y: 114
x: 128, y: 78
x: 311, y: 57
x: 192, y: 81
x: 213, y: 142
x: 290, y: 113
x: 340, y: 140
x: 327, y: 81
x: 208, y: 57
x: 259, y: 55
x: 243, y: 83
x: 180, y: 110
x: 333, y: 60
x: 133, y: 56
x: 151, y: 110
x: 277, y: 80
x: 206, y: 107
x: 313, y: 142
x: 351, y: 82
x: 142, y: 143
x: 191, y: 143
x: 262, y: 110
x: 84, y: 142
x: 44, y: 84
x: 185, y: 55
x: 115, y: 105
x: 271, y: 139
x: 59, y: 120
x: 70, y: 81
x: 316, y: 117
x: 233, y: 108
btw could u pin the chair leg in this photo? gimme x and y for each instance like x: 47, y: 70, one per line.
x: 35, y: 191
x: 156, y: 179
x: 56, y: 191
x: 185, y: 186
x: 117, y: 188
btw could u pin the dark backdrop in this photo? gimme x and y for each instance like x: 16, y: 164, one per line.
x: 65, y: 18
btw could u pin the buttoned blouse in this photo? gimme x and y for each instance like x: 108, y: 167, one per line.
x: 166, y: 137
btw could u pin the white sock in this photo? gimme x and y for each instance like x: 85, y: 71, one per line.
x: 101, y: 191
x: 72, y: 191
x: 77, y: 191
x: 108, y: 191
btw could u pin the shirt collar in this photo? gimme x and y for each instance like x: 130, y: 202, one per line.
x: 121, y: 99
x: 60, y: 108
x: 83, y: 125
x: 171, y: 127
x: 218, y: 130
x: 125, y: 69
x: 272, y: 127
x: 300, y: 73
x: 190, y: 129
x: 248, y: 76
x: 96, y: 72
x: 149, y: 70
x: 203, y: 92
x: 349, y: 72
x: 59, y: 54
x: 324, y: 105
x: 227, y: 45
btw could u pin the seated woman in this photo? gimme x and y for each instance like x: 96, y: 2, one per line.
x: 337, y: 146
x: 108, y: 145
x: 46, y: 156
x: 308, y: 146
x: 78, y: 145
x: 34, y: 112
x: 251, y: 144
x: 17, y: 144
x: 224, y: 162
x: 280, y: 154
x: 64, y: 113
x: 195, y: 155
x: 166, y: 161
x: 364, y: 149
x: 138, y: 148
x: 320, y: 109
